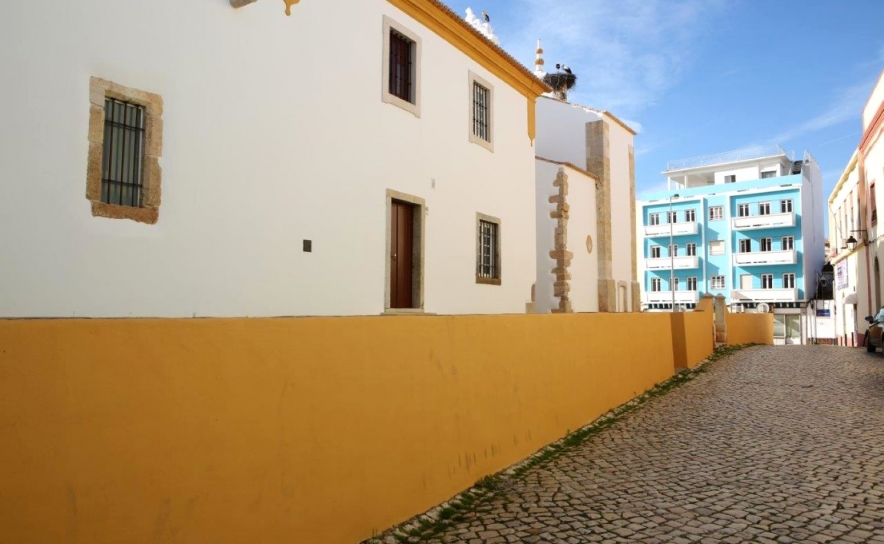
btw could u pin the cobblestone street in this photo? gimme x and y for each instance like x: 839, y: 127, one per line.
x: 773, y: 444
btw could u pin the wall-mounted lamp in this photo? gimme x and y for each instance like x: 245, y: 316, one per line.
x: 851, y: 242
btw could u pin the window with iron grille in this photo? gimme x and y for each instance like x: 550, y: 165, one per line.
x: 656, y: 284
x: 122, y: 172
x: 654, y: 219
x: 488, y: 250
x: 401, y: 66
x: 767, y: 281
x: 481, y: 108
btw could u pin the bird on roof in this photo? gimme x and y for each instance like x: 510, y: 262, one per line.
x: 564, y: 68
x: 486, y: 16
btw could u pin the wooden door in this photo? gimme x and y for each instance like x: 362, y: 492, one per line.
x: 401, y: 254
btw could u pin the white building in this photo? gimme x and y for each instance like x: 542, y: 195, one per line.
x: 173, y: 158
x: 856, y: 248
x: 585, y: 171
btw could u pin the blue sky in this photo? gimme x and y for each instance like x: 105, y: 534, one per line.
x: 703, y: 76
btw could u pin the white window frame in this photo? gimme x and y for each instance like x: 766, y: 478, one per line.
x: 692, y: 283
x: 672, y: 217
x: 789, y: 280
x: 716, y: 282
x: 767, y: 174
x: 656, y: 285
x: 766, y: 244
x: 391, y: 25
x: 691, y: 250
x: 476, y: 79
x: 653, y: 219
x: 716, y: 247
x: 767, y: 281
x: 690, y: 216
x: 742, y: 210
x: 673, y: 250
x: 786, y: 205
x: 676, y: 284
x: 787, y: 243
x: 745, y: 245
x: 716, y: 213
x: 764, y: 208
x: 730, y: 178
x: 655, y: 252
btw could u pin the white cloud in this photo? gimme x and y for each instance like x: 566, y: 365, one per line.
x: 625, y: 53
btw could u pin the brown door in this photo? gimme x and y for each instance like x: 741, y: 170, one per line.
x: 401, y: 254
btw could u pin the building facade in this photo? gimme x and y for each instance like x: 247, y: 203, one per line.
x: 745, y: 224
x: 244, y: 171
x: 856, y: 248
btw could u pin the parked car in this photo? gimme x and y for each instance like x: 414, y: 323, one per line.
x: 874, y: 338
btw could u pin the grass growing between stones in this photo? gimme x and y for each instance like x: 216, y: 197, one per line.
x: 478, y: 498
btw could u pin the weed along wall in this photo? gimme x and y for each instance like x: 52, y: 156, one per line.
x: 290, y: 430
x: 749, y: 329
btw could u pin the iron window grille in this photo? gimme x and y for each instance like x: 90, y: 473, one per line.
x: 481, y: 106
x: 401, y: 67
x: 487, y: 265
x: 122, y: 156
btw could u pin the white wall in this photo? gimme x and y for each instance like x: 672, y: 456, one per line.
x: 621, y: 207
x: 268, y: 140
x: 561, y: 130
x: 812, y: 213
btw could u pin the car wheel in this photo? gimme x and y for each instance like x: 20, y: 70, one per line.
x: 869, y: 347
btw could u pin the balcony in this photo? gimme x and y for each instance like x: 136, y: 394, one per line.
x: 770, y: 221
x: 678, y: 263
x: 764, y: 295
x: 678, y: 229
x: 760, y: 258
x: 681, y: 297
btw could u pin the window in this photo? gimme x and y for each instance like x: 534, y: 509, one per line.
x: 654, y: 219
x: 873, y: 205
x: 769, y: 174
x: 730, y: 179
x: 716, y: 213
x: 745, y: 245
x: 673, y: 250
x: 766, y: 244
x: 788, y: 243
x: 716, y: 247
x: 655, y: 284
x: 675, y: 283
x: 123, y: 176
x: 481, y: 112
x: 672, y: 217
x: 690, y: 216
x: 764, y: 208
x: 716, y: 282
x: 487, y: 249
x: 402, y: 67
x: 767, y: 281
x: 743, y: 210
x: 786, y: 206
x: 655, y: 252
x: 788, y: 281
x: 692, y: 283
x: 692, y: 250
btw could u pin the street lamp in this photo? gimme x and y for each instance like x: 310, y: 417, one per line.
x: 671, y: 254
x: 851, y: 242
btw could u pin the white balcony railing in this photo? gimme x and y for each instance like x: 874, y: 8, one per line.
x: 759, y: 258
x: 678, y: 229
x: 677, y: 263
x: 765, y: 295
x: 681, y: 297
x: 769, y: 221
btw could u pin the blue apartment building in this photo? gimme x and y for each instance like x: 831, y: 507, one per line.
x: 744, y: 224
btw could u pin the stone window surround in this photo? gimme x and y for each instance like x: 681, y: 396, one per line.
x: 389, y: 98
x: 472, y: 80
x: 419, y: 253
x: 99, y: 90
x: 498, y: 253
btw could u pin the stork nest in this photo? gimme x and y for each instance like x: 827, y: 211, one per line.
x: 560, y: 81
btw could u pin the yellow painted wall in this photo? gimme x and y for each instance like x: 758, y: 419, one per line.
x: 692, y: 337
x: 290, y: 430
x: 749, y: 329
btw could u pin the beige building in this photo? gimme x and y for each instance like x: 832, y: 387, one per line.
x: 857, y: 250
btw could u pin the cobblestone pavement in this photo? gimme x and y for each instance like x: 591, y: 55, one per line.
x: 773, y: 444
